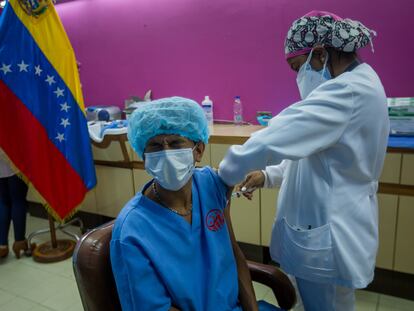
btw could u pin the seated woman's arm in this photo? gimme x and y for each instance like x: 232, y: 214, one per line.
x: 246, y: 292
x: 138, y: 284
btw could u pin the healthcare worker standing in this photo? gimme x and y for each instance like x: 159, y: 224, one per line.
x: 332, y: 144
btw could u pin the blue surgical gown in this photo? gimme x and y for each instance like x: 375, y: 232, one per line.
x: 159, y: 259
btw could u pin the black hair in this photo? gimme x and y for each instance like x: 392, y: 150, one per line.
x: 341, y: 54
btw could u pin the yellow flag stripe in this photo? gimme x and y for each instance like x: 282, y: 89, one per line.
x: 50, y: 36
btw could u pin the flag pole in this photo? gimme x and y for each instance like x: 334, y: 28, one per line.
x: 52, y: 232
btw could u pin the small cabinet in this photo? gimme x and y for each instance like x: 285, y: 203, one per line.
x: 392, y: 168
x: 135, y: 156
x: 268, y: 202
x: 206, y: 160
x: 245, y: 217
x: 89, y: 203
x: 113, y: 152
x: 218, y: 151
x: 407, y: 174
x: 387, y: 208
x: 114, y: 189
x: 141, y: 177
x: 404, y: 250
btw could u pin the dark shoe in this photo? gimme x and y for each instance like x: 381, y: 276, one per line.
x: 4, y: 251
x: 19, y: 246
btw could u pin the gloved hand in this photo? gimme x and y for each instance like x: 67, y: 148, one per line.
x: 253, y: 181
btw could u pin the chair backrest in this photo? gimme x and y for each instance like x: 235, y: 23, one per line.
x: 93, y: 272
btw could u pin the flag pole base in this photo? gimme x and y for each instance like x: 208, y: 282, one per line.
x: 46, y: 253
x: 55, y: 250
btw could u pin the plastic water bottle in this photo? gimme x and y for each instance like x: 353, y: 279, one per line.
x: 238, y: 111
x: 207, y: 105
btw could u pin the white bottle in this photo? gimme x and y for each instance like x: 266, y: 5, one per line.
x: 237, y: 111
x: 207, y: 105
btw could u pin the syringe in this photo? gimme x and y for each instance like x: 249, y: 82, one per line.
x: 238, y: 194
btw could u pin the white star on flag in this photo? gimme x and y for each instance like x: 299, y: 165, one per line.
x: 50, y: 80
x: 5, y: 68
x: 58, y: 92
x: 60, y: 137
x: 65, y: 107
x: 22, y: 66
x: 38, y: 70
x: 65, y: 122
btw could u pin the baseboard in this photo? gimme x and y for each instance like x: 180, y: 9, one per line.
x: 89, y: 220
x: 37, y: 210
x: 393, y: 283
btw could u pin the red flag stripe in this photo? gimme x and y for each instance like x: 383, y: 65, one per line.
x: 35, y: 155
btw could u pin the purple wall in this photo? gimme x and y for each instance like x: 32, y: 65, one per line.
x: 219, y: 48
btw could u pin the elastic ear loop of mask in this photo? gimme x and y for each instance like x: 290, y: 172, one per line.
x: 309, y: 59
x: 324, y: 64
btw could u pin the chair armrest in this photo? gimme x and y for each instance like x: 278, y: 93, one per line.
x: 278, y: 281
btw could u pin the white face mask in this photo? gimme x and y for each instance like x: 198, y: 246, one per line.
x: 309, y: 79
x: 172, y: 169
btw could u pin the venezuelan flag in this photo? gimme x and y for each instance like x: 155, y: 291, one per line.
x: 43, y: 128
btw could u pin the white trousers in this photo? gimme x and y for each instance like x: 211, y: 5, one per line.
x: 322, y: 297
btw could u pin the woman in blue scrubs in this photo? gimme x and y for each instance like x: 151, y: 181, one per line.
x: 173, y: 247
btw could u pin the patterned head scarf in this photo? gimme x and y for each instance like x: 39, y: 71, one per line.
x: 326, y: 29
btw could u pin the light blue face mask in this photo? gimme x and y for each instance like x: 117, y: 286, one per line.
x: 309, y: 79
x: 172, y: 169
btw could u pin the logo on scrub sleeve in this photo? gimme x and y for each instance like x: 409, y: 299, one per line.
x: 215, y: 220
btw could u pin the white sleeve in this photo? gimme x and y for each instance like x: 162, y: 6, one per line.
x: 274, y: 174
x: 300, y: 130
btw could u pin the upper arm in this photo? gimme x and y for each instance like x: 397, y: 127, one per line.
x: 223, y: 191
x: 230, y: 227
x: 139, y: 286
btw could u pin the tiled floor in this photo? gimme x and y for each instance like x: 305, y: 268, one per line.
x: 29, y: 286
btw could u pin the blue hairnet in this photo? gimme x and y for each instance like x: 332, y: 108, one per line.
x: 172, y: 115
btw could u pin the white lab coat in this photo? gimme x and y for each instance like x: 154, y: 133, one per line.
x: 335, y: 141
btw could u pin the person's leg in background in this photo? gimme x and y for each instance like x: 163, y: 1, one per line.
x: 5, y: 217
x: 325, y: 297
x: 18, y: 191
